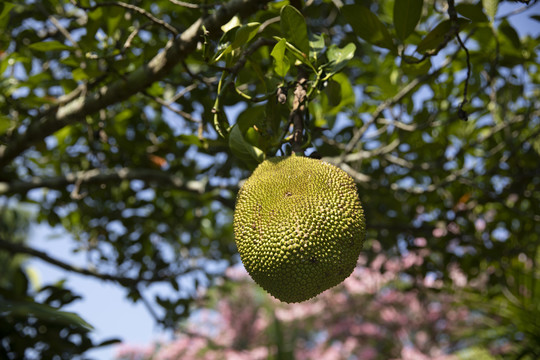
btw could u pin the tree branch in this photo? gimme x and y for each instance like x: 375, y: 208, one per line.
x: 174, y: 52
x: 98, y: 176
x: 296, y: 116
x: 14, y: 248
x: 391, y: 102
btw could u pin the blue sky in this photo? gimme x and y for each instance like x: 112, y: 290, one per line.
x: 104, y: 304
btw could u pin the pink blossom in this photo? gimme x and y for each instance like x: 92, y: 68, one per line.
x: 369, y: 329
x: 367, y: 353
x: 420, y: 241
x: 431, y: 281
x: 411, y: 353
x: 237, y: 272
x: 453, y: 228
x: 133, y: 352
x: 378, y: 262
x: 393, y: 265
x: 457, y: 275
x: 421, y: 338
x: 298, y: 311
x: 480, y: 225
x: 412, y: 259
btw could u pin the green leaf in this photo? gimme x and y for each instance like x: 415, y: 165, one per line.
x: 536, y: 145
x: 333, y: 92
x: 233, y: 23
x: 43, y: 312
x: 339, y: 93
x: 224, y: 45
x: 5, y: 8
x: 273, y: 117
x: 406, y: 16
x: 79, y: 75
x: 510, y: 33
x: 233, y: 39
x: 243, y: 150
x: 5, y: 124
x: 113, y: 15
x: 316, y: 47
x: 438, y: 36
x: 339, y: 57
x: 302, y: 57
x: 491, y: 8
x: 474, y: 12
x: 62, y: 134
x: 415, y: 69
x: 53, y: 45
x: 244, y: 34
x: 120, y: 122
x: 282, y: 64
x: 368, y: 26
x: 294, y: 27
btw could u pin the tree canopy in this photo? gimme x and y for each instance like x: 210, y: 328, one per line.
x: 133, y: 124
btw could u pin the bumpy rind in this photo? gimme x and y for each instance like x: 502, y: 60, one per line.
x: 299, y: 227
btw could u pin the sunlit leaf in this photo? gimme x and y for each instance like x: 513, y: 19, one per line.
x: 491, y: 8
x: 52, y: 45
x: 316, y: 46
x: 5, y: 124
x: 244, y: 34
x: 281, y: 62
x: 5, y: 8
x: 294, y: 27
x: 339, y: 57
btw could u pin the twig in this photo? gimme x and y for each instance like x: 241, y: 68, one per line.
x: 183, y: 92
x: 185, y: 4
x: 462, y: 114
x: 390, y: 102
x: 226, y: 81
x: 512, y: 13
x: 454, y: 30
x: 64, y: 32
x: 148, y: 306
x: 134, y: 33
x: 161, y: 65
x: 98, y: 176
x: 296, y: 116
x: 182, y: 113
x: 130, y: 7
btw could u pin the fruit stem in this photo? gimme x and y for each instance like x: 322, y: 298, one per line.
x: 296, y: 116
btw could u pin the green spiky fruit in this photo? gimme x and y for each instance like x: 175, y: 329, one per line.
x: 299, y: 227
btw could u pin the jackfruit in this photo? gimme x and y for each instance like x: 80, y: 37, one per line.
x: 299, y: 226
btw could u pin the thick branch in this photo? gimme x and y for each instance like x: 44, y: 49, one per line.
x: 97, y: 176
x: 13, y: 249
x: 174, y: 52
